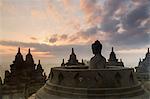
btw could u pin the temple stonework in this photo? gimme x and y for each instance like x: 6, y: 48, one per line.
x: 98, y: 61
x: 0, y: 88
x: 73, y: 61
x: 143, y: 69
x: 113, y: 61
x: 24, y: 76
x: 96, y: 82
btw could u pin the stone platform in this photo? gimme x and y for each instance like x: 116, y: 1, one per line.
x: 91, y: 83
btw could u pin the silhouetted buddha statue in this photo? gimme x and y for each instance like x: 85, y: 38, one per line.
x: 98, y: 61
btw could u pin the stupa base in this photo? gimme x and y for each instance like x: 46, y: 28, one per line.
x: 91, y: 84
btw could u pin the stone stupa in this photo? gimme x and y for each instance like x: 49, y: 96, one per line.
x: 23, y: 79
x: 73, y: 62
x: 97, y: 81
x: 143, y: 69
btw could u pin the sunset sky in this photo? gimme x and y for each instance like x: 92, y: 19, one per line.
x: 52, y: 27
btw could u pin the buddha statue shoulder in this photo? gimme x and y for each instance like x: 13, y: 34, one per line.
x: 98, y: 61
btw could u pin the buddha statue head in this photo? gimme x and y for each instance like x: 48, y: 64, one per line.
x: 96, y: 47
x: 98, y: 61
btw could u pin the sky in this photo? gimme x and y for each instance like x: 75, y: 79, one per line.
x: 52, y: 27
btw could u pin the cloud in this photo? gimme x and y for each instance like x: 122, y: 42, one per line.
x: 131, y: 39
x: 33, y: 38
x: 39, y: 14
x: 56, y: 38
x: 110, y: 20
x: 66, y: 2
x: 53, y: 10
x: 135, y: 32
x: 38, y: 47
x: 53, y: 39
x: 81, y: 37
x: 134, y: 18
x: 92, y: 10
x: 132, y: 21
x: 117, y: 22
x: 124, y: 24
x: 139, y: 2
x: 7, y: 8
x: 111, y: 6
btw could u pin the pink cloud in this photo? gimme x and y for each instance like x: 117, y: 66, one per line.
x: 8, y: 8
x: 33, y: 38
x: 53, y: 11
x: 91, y: 10
x: 35, y: 13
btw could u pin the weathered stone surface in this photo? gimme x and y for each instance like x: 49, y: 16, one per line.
x: 92, y: 83
x: 98, y: 61
x: 96, y: 82
x: 0, y: 88
x: 143, y: 69
x: 24, y: 77
x: 50, y: 96
x: 73, y: 61
x: 113, y: 61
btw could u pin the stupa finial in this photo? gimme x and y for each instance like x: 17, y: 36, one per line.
x: 0, y: 81
x: 29, y: 51
x: 39, y: 62
x: 140, y: 59
x: 112, y: 49
x: 72, y: 50
x: 63, y: 63
x: 18, y: 49
x: 82, y: 61
x: 120, y: 60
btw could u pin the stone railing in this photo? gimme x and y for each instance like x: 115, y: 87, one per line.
x: 86, y: 78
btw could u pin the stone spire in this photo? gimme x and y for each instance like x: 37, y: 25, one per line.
x: 29, y: 58
x: 112, y: 56
x: 18, y: 57
x: 73, y: 55
x: 63, y: 63
x: 73, y: 51
x: 120, y: 60
x: 0, y: 81
x: 113, y: 61
x: 112, y: 49
x: 82, y: 62
x: 29, y: 51
x: 39, y: 62
x: 147, y: 58
x: 148, y: 53
x: 45, y: 77
x: 140, y: 61
x: 39, y: 67
x: 18, y: 49
x: 18, y: 63
x: 30, y: 66
x: 144, y: 65
x: 72, y: 60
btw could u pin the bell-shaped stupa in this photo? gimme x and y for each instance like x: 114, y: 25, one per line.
x: 90, y: 83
